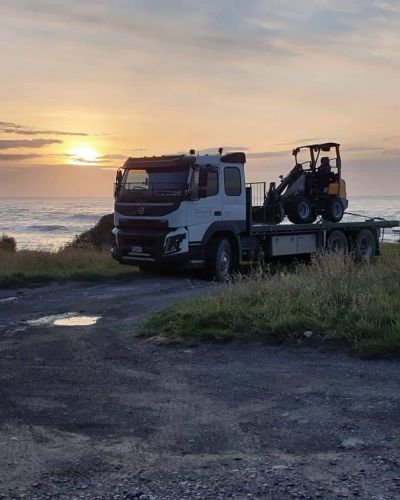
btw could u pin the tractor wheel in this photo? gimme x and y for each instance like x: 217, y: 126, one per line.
x: 219, y: 260
x: 365, y: 245
x: 300, y: 211
x: 337, y: 242
x: 334, y: 210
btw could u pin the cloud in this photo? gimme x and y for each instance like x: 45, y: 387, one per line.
x: 14, y: 128
x: 268, y: 154
x: 113, y: 157
x: 249, y: 153
x: 392, y: 152
x: 89, y: 162
x: 214, y: 150
x: 224, y: 29
x: 212, y: 27
x: 313, y: 140
x: 362, y: 149
x: 27, y: 143
x: 18, y: 157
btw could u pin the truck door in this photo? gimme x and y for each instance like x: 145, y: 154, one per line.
x: 205, y: 206
x: 234, y: 194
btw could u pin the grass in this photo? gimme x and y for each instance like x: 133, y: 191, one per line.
x: 27, y: 266
x: 333, y: 297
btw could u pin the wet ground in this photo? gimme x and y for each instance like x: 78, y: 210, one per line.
x: 93, y: 411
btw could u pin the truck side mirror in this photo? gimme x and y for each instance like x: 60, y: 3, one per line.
x: 118, y: 177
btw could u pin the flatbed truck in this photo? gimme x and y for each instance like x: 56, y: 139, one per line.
x: 197, y: 211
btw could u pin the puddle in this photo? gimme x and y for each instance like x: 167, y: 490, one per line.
x: 67, y: 319
x: 77, y: 321
x: 7, y: 300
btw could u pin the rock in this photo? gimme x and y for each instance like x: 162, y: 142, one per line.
x: 351, y: 443
x: 308, y: 334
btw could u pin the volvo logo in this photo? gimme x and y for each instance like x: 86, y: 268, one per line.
x: 141, y: 210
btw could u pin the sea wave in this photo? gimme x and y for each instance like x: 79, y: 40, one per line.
x: 47, y: 227
x: 89, y: 217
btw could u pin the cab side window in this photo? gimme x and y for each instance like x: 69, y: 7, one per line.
x: 212, y: 183
x: 232, y: 181
x: 211, y: 188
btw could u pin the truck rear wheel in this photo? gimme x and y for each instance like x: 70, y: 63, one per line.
x: 219, y: 261
x: 365, y: 245
x: 337, y: 242
x: 334, y: 210
x: 301, y: 211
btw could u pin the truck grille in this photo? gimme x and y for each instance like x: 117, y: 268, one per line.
x: 150, y: 242
x: 139, y: 224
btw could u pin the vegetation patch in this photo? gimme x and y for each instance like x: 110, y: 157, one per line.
x: 7, y: 244
x: 96, y: 237
x: 86, y: 257
x: 27, y: 266
x: 333, y: 297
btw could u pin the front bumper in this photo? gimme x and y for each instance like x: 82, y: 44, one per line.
x: 154, y: 248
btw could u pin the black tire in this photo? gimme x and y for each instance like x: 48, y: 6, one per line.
x: 300, y: 211
x: 337, y: 242
x: 365, y: 246
x: 334, y: 210
x: 219, y: 259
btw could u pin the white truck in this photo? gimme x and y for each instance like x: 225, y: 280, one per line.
x: 197, y: 210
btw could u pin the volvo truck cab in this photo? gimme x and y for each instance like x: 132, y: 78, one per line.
x: 168, y: 210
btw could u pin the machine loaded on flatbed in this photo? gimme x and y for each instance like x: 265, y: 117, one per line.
x: 197, y: 210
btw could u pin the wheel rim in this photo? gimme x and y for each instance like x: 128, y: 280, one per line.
x: 224, y: 261
x: 338, y: 245
x: 304, y: 210
x: 337, y: 209
x: 365, y: 247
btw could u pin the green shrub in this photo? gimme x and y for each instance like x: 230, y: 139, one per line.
x: 8, y: 244
x: 96, y: 237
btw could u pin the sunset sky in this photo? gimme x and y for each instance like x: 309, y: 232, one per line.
x: 84, y: 84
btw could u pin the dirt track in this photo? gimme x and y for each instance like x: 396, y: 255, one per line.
x: 94, y: 412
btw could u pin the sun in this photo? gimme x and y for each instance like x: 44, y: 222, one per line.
x: 83, y: 154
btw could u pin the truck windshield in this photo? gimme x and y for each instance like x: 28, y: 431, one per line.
x: 152, y: 184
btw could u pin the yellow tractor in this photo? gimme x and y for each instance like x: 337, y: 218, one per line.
x: 312, y: 188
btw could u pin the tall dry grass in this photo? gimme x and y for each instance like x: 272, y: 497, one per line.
x: 333, y: 296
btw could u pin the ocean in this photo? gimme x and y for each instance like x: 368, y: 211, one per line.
x: 49, y: 223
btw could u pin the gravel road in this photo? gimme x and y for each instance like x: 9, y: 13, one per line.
x: 96, y: 412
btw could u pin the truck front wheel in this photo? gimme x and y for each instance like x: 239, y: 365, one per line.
x: 219, y: 261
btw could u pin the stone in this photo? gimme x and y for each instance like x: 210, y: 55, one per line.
x: 351, y: 443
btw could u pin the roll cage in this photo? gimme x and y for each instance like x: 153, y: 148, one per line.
x: 315, y: 151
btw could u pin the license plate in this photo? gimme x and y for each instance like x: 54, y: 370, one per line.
x: 136, y: 249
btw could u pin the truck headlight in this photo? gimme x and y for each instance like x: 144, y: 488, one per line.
x: 173, y: 243
x: 114, y: 239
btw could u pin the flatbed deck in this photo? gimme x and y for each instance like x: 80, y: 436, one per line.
x: 260, y: 229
